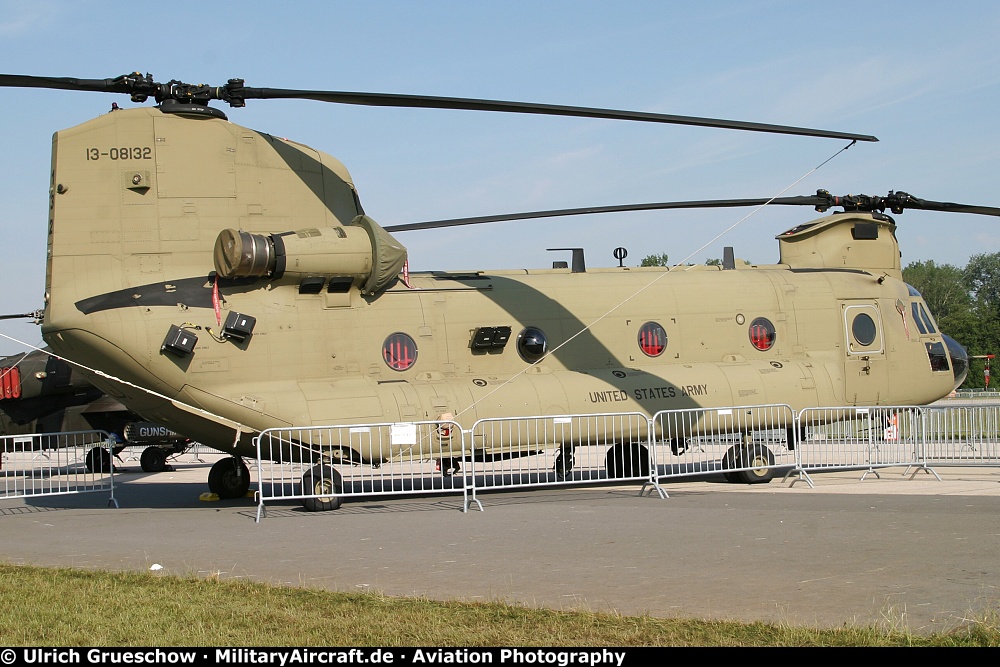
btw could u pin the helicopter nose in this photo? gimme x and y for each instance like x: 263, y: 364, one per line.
x: 959, y: 360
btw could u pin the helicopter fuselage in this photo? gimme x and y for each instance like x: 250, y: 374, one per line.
x: 233, y: 283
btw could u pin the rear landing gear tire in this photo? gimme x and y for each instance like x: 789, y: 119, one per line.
x: 229, y: 478
x: 326, y: 485
x: 626, y: 460
x: 98, y: 460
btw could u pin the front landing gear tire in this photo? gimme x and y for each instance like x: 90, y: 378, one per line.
x: 449, y: 467
x: 564, y: 464
x: 229, y: 478
x: 153, y: 459
x: 325, y: 484
x: 758, y: 460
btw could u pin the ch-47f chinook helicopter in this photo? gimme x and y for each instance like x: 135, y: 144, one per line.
x: 234, y: 282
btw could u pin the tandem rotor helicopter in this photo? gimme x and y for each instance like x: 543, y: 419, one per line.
x: 234, y: 282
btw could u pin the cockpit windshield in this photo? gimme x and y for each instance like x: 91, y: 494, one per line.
x: 918, y: 312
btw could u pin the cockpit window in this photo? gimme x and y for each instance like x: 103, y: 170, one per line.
x: 921, y: 318
x: 927, y: 320
x: 919, y: 312
x: 938, y: 357
x: 915, y: 311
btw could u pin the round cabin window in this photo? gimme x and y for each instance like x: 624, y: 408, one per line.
x: 652, y: 339
x: 762, y: 334
x: 399, y: 352
x: 863, y: 328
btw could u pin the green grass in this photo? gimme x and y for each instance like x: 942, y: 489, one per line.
x: 68, y: 607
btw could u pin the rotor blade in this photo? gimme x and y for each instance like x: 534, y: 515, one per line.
x: 118, y: 85
x: 471, y: 104
x: 811, y: 200
x: 822, y: 201
x: 141, y: 87
x: 909, y: 201
x: 35, y: 315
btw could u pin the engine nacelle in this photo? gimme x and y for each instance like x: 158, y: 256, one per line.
x: 362, y: 251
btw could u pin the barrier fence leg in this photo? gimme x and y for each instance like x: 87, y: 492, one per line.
x: 111, y: 481
x: 800, y: 475
x: 468, y: 499
x: 653, y: 485
x: 922, y: 466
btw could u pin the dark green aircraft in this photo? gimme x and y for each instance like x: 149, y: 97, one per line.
x: 42, y: 395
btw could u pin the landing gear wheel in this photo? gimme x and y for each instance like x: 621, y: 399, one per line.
x: 757, y: 458
x: 325, y: 483
x: 98, y: 459
x: 790, y: 438
x: 449, y: 467
x: 153, y: 459
x: 626, y: 460
x: 229, y: 478
x: 564, y: 463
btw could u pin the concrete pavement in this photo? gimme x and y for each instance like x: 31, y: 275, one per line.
x: 906, y: 552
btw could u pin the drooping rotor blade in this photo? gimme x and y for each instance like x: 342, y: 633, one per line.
x: 821, y: 201
x: 586, y: 210
x: 57, y: 83
x: 471, y: 104
x: 235, y: 93
x: 897, y: 201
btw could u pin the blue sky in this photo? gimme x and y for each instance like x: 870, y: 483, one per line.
x: 922, y: 76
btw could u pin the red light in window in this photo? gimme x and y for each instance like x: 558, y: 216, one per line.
x: 10, y: 383
x: 762, y: 333
x: 399, y: 352
x: 652, y: 339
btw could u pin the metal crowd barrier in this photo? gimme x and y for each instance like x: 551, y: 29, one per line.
x: 748, y: 444
x: 322, y: 464
x: 859, y: 438
x: 46, y: 464
x: 562, y: 449
x: 961, y: 435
